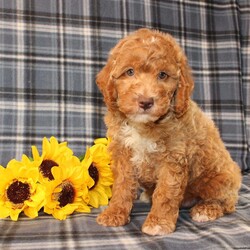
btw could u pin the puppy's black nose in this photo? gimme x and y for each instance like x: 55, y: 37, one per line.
x: 145, y: 103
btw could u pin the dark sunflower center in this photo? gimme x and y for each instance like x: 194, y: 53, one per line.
x: 18, y: 192
x: 67, y: 194
x: 45, y: 168
x: 94, y: 174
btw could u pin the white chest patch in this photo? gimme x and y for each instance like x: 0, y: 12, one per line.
x: 141, y: 147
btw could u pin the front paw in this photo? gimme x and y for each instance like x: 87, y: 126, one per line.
x: 157, y: 226
x: 113, y: 217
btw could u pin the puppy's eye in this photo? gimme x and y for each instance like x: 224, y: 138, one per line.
x: 130, y: 72
x: 162, y: 75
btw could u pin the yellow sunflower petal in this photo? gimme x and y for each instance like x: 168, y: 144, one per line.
x: 14, y: 214
x: 94, y: 200
x: 4, y: 212
x: 103, y: 141
x: 88, y: 159
x: 48, y: 210
x: 2, y: 169
x: 61, y: 214
x: 35, y: 153
x: 53, y: 142
x: 31, y: 212
x: 6, y: 178
x: 83, y: 208
x: 108, y: 191
x: 46, y: 147
x: 57, y: 173
x: 26, y: 161
x: 98, y: 197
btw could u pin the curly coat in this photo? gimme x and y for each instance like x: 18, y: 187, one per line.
x: 161, y: 140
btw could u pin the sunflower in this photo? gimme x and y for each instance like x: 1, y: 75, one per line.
x: 97, y: 160
x: 19, y: 190
x: 68, y: 191
x: 53, y: 154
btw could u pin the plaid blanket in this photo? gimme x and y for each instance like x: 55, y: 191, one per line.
x: 80, y: 231
x: 50, y: 52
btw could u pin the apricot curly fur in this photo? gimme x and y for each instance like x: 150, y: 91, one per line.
x: 161, y: 140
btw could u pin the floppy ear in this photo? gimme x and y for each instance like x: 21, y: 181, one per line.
x: 105, y: 79
x: 184, y: 88
x: 105, y: 82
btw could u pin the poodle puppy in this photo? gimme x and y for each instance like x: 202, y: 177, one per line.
x: 160, y: 139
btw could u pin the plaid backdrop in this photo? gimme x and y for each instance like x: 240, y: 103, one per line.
x: 51, y: 50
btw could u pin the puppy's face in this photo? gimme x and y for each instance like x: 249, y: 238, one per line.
x: 145, y: 80
x: 142, y: 77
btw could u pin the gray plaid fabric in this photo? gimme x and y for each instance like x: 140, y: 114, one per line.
x: 80, y: 231
x: 51, y: 51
